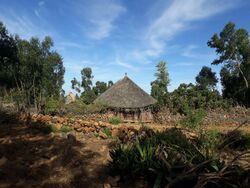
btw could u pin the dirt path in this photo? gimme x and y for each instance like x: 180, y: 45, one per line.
x: 29, y: 158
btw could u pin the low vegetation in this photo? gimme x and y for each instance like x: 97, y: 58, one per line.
x: 48, y: 128
x: 115, y: 120
x: 172, y: 159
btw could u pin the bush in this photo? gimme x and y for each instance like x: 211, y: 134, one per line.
x: 53, y: 106
x: 235, y: 140
x: 170, y: 158
x: 43, y: 127
x: 65, y: 129
x: 107, y: 131
x: 115, y: 120
x: 193, y: 118
x: 208, y: 142
x: 80, y: 108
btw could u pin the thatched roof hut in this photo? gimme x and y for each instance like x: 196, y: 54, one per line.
x: 128, y: 100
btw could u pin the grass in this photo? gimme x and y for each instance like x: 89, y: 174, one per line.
x: 65, y: 129
x: 107, y: 131
x: 115, y: 121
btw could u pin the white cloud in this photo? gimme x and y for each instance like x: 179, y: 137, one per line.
x: 177, y: 17
x: 101, y: 15
x: 21, y: 25
x: 119, y: 62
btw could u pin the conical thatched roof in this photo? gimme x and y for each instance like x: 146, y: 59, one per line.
x: 125, y: 94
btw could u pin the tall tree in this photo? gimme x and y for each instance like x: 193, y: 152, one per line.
x: 39, y: 72
x: 75, y: 85
x: 159, y: 86
x: 100, y: 87
x: 206, y: 79
x: 8, y: 57
x: 233, y: 47
x: 87, y: 78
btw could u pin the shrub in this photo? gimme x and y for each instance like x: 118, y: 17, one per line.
x: 79, y: 108
x: 235, y: 140
x: 65, y: 129
x: 208, y: 142
x: 107, y: 131
x: 43, y: 127
x: 115, y: 120
x: 53, y: 106
x: 170, y: 158
x: 193, y: 118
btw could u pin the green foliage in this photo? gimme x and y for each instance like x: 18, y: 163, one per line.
x: 53, y: 106
x: 107, y: 131
x: 88, y: 96
x: 80, y: 108
x: 235, y: 140
x: 87, y: 78
x: 151, y: 154
x: 206, y: 79
x: 193, y: 118
x: 31, y: 68
x: 208, y: 142
x: 115, y: 120
x: 159, y: 86
x: 65, y: 129
x: 193, y: 97
x: 233, y: 47
x: 173, y: 160
x: 43, y: 127
x: 90, y: 92
x: 100, y: 87
x: 75, y: 85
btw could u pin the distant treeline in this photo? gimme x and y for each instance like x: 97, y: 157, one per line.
x: 31, y: 74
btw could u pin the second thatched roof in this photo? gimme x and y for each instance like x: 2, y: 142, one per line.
x: 125, y: 94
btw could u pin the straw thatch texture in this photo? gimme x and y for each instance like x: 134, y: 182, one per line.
x: 125, y: 94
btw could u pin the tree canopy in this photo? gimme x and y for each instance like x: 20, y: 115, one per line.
x: 233, y: 47
x: 31, y: 67
x: 206, y: 79
x: 159, y: 86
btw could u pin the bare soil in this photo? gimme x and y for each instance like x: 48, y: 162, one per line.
x: 29, y: 158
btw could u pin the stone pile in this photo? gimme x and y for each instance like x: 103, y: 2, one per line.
x: 87, y: 126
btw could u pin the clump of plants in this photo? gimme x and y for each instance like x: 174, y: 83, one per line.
x: 43, y: 127
x: 171, y: 159
x: 65, y: 129
x: 107, y: 131
x: 114, y: 120
x: 53, y: 106
x: 235, y: 140
x: 193, y: 118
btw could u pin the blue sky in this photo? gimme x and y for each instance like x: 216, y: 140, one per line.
x: 114, y: 36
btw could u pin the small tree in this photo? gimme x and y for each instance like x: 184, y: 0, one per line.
x: 159, y: 86
x: 206, y: 79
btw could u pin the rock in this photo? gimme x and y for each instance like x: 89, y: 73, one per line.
x: 45, y: 118
x: 3, y: 160
x: 115, y: 132
x: 58, y: 126
x: 102, y: 135
x: 106, y: 185
x: 70, y: 98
